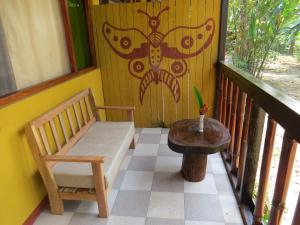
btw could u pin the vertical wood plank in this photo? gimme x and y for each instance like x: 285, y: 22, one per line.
x: 45, y: 139
x: 55, y: 135
x: 77, y: 116
x: 285, y: 168
x: 88, y: 107
x: 83, y: 111
x: 63, y: 127
x: 264, y: 172
x: 70, y: 121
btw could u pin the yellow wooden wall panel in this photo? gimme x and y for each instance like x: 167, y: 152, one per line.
x: 122, y: 88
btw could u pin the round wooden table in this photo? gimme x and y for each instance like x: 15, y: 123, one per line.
x: 185, y: 138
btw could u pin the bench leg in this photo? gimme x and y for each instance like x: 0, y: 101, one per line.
x: 56, y: 203
x: 101, y: 194
x: 132, y: 144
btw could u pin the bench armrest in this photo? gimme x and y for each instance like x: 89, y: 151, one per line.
x: 127, y: 108
x: 71, y: 158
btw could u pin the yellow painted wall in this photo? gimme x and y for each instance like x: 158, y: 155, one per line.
x: 21, y: 188
x: 121, y: 88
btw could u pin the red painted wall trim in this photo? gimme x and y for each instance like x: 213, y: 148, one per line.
x: 36, y: 212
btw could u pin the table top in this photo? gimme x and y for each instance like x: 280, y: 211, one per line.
x: 184, y: 137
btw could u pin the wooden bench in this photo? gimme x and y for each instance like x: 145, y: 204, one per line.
x: 77, y: 155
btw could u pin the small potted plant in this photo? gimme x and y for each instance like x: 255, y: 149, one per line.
x: 202, y: 109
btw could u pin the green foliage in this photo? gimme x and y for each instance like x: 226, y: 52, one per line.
x: 253, y: 28
x: 198, y: 97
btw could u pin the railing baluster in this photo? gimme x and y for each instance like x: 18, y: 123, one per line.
x: 264, y: 172
x: 244, y: 143
x: 220, y: 103
x: 232, y: 121
x: 239, y: 130
x: 296, y: 219
x: 287, y: 158
x: 224, y: 100
x: 229, y: 104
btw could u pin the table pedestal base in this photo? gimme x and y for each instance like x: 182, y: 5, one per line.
x: 194, y: 167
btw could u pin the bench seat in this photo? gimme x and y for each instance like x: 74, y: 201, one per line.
x: 107, y: 139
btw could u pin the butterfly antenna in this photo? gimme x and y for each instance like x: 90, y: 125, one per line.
x: 143, y: 12
x: 163, y: 10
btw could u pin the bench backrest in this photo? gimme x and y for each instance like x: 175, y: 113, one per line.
x: 57, y: 130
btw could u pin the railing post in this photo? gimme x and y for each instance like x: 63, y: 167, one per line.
x: 244, y: 143
x: 296, y: 219
x: 264, y: 172
x: 287, y: 158
x: 254, y: 142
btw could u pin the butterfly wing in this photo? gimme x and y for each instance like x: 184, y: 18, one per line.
x: 185, y: 45
x: 122, y: 41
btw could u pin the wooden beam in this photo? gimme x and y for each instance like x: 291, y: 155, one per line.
x: 223, y: 29
x: 68, y: 34
x: 88, y: 8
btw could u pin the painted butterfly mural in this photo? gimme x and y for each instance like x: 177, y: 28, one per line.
x: 146, y: 57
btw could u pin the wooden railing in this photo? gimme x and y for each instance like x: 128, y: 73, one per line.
x: 241, y: 106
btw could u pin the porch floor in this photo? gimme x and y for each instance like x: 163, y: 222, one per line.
x: 149, y: 190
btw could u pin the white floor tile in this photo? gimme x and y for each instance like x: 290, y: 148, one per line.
x: 166, y: 205
x: 90, y: 207
x: 124, y: 220
x: 164, y: 139
x: 217, y: 165
x: 112, y: 198
x: 146, y: 150
x: 190, y: 222
x: 136, y: 138
x: 137, y: 180
x: 168, y: 164
x: 46, y: 218
x: 125, y: 162
x: 151, y: 130
x: 206, y: 186
x: 230, y: 209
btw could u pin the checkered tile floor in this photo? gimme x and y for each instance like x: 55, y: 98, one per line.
x: 149, y: 190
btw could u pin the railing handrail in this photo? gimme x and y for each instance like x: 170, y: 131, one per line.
x: 281, y: 107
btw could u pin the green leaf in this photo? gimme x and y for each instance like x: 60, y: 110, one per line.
x: 198, y: 97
